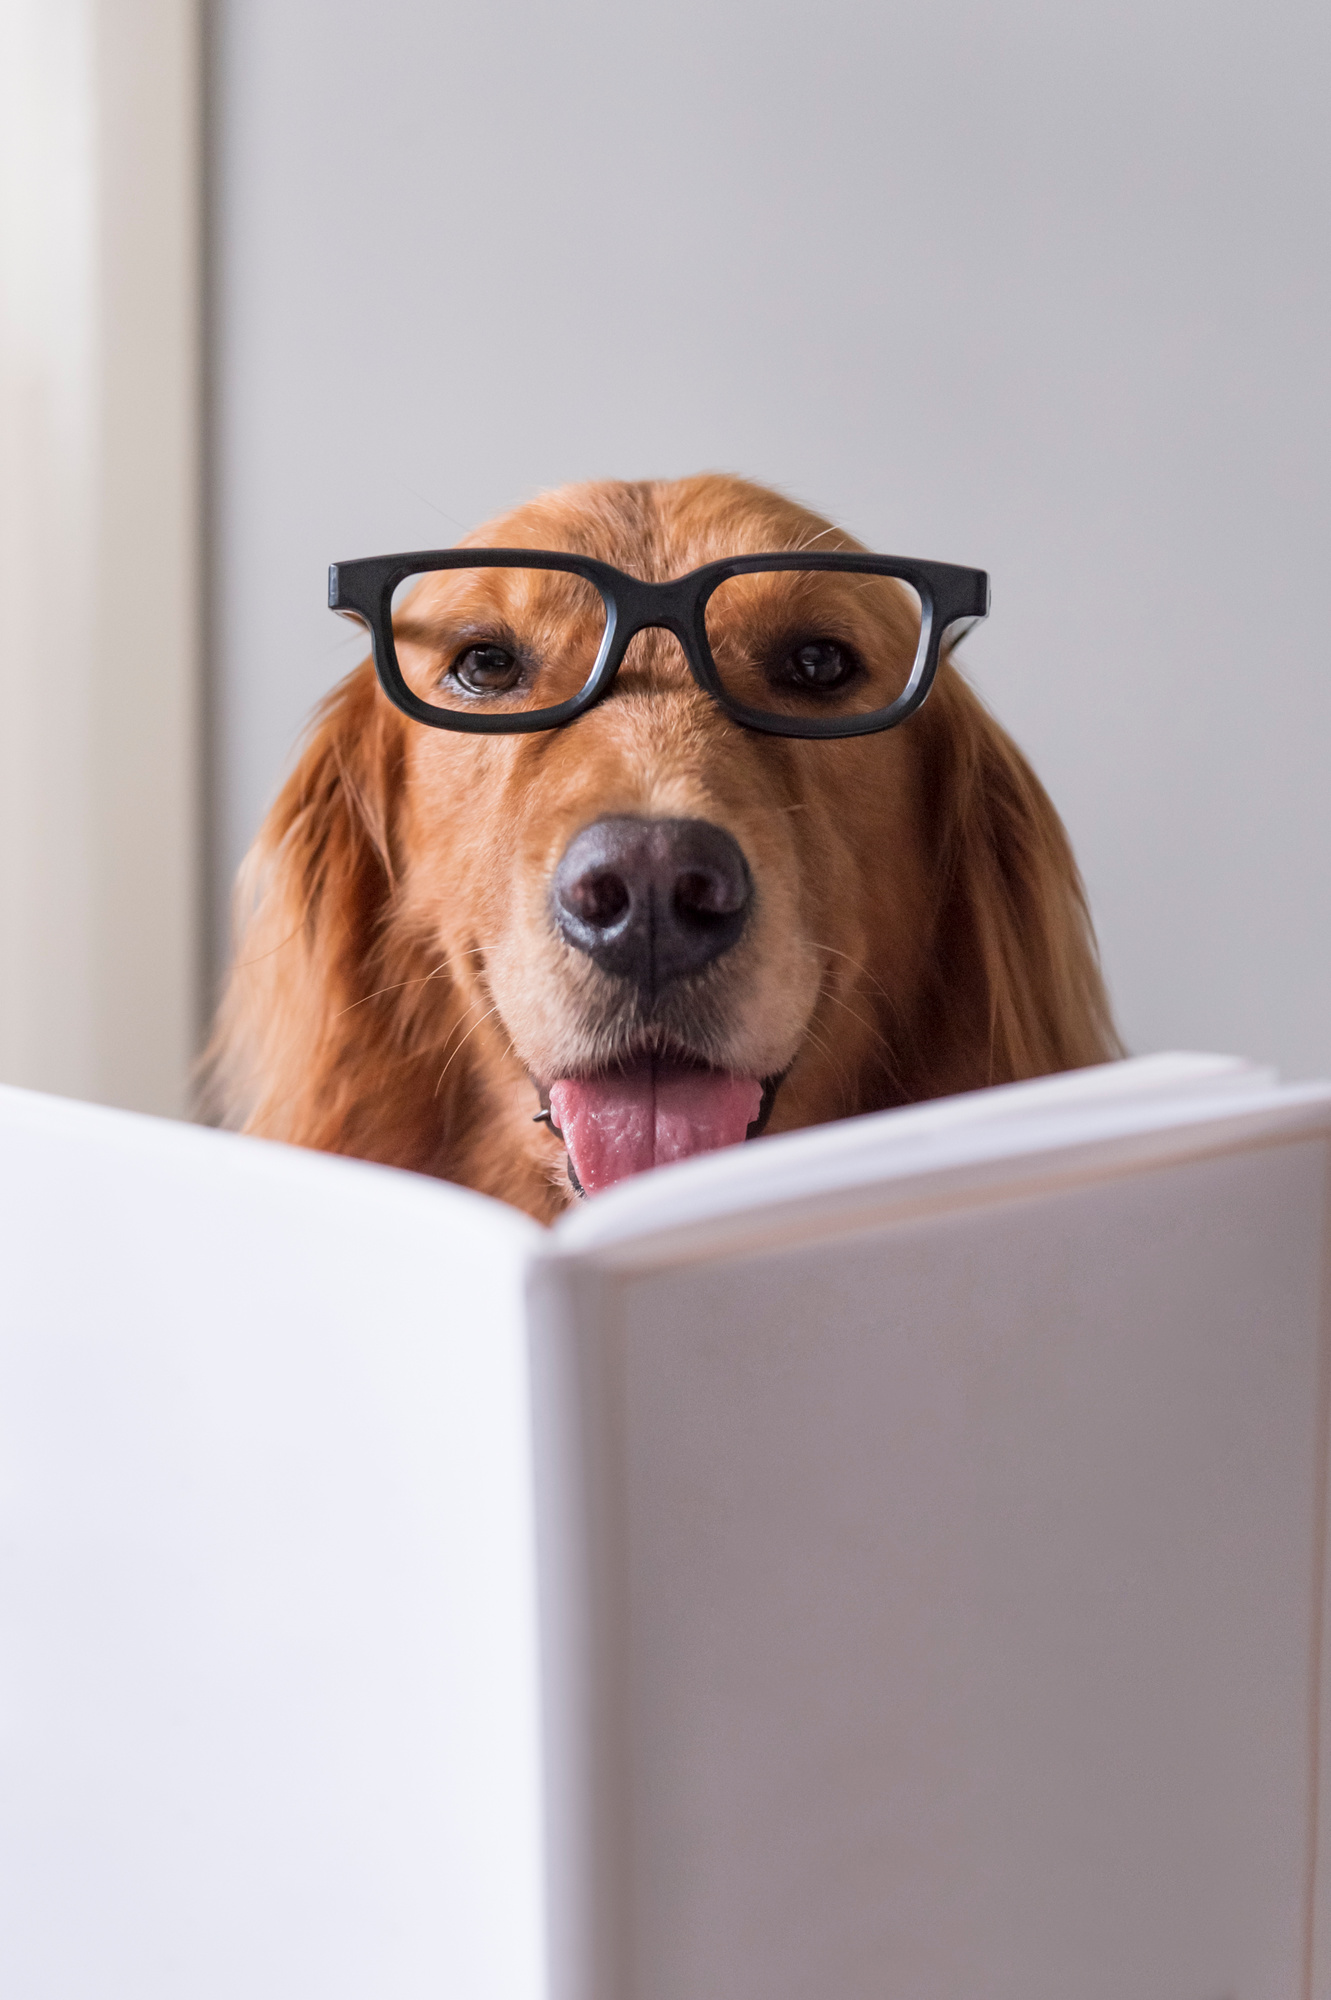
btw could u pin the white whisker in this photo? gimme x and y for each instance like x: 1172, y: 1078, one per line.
x: 461, y: 1045
x: 423, y: 979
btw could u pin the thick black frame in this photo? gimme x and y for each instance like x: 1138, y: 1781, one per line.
x: 950, y: 597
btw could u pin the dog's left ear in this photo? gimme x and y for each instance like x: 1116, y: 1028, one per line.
x: 332, y: 1015
x: 1017, y: 986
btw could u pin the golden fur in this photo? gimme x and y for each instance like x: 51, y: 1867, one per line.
x: 920, y: 927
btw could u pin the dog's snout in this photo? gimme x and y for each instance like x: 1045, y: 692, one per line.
x: 652, y: 900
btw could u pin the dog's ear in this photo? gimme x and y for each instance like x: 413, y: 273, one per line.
x: 1017, y: 986
x: 332, y: 1014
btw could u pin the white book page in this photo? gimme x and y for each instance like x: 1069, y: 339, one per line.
x: 267, y: 1593
x: 950, y: 1589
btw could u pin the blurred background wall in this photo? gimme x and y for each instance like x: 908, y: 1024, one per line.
x: 1035, y: 287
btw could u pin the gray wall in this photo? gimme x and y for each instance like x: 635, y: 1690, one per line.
x: 1037, y: 287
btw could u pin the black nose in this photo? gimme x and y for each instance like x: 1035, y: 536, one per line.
x: 651, y: 900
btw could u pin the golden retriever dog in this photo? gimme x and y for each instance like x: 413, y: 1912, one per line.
x: 534, y: 963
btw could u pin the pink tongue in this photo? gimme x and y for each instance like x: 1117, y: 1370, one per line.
x: 615, y: 1126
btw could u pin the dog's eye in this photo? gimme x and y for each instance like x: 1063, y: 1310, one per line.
x: 486, y: 670
x: 823, y: 666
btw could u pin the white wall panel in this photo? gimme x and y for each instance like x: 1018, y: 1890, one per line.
x: 99, y: 625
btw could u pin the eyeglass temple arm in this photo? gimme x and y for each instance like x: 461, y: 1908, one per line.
x: 353, y: 587
x: 962, y: 602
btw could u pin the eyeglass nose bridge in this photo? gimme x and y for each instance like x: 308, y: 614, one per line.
x: 638, y: 606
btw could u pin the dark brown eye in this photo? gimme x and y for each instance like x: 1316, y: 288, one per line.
x: 823, y: 666
x: 486, y: 670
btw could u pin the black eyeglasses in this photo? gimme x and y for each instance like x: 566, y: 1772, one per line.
x: 500, y: 641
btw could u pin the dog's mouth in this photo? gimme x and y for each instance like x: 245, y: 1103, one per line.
x: 651, y: 1112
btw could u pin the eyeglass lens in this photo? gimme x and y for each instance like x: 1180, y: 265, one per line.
x: 813, y: 642
x: 497, y: 640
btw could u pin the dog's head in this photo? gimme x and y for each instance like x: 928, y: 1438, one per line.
x: 661, y: 926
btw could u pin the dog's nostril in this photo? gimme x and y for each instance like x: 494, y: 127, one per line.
x: 600, y: 899
x: 711, y: 895
x: 651, y: 900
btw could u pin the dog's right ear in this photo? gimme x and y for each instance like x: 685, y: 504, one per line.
x: 308, y: 1045
x: 1018, y: 986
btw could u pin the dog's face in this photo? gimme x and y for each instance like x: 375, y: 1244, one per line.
x: 666, y: 928
x: 671, y: 915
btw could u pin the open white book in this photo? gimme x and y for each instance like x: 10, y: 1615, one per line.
x: 886, y: 1560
